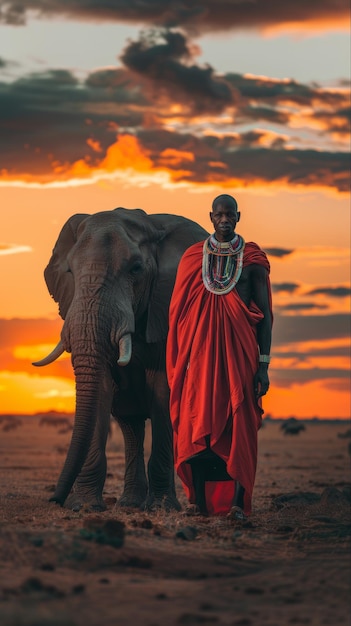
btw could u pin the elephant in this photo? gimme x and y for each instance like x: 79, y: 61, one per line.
x: 112, y: 275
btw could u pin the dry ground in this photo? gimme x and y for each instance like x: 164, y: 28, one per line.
x: 289, y: 564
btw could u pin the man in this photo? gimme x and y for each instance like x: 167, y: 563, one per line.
x: 217, y: 365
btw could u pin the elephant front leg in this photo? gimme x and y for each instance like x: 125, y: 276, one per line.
x: 88, y: 487
x: 135, y: 482
x: 162, y: 492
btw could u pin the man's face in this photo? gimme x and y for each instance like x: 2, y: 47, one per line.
x: 224, y: 218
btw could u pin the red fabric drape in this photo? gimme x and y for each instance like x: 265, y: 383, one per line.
x: 212, y: 357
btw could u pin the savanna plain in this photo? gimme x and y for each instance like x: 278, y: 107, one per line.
x: 288, y: 564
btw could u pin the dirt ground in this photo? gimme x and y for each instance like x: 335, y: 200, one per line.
x: 288, y: 564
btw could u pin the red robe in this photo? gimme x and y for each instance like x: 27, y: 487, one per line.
x: 212, y: 357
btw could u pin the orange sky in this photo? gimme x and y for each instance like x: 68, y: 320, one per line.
x: 30, y: 326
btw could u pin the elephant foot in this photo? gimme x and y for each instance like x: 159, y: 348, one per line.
x: 133, y: 500
x: 161, y: 503
x: 76, y: 503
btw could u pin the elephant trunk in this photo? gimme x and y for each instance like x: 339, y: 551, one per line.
x: 92, y: 417
x: 92, y: 339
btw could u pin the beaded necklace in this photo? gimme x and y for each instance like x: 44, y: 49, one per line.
x: 222, y: 263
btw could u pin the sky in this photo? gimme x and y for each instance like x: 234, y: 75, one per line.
x: 162, y: 106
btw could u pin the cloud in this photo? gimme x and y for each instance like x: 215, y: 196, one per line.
x: 285, y: 377
x: 13, y: 248
x: 342, y: 385
x: 285, y: 91
x: 49, y: 117
x: 206, y: 15
x: 324, y: 351
x: 301, y: 306
x: 162, y: 60
x: 285, y: 287
x: 334, y: 121
x: 296, y: 328
x: 279, y: 252
x: 54, y: 125
x: 334, y: 292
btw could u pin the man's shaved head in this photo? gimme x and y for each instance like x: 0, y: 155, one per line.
x: 226, y: 200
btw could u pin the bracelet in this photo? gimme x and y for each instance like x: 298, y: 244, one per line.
x: 264, y: 358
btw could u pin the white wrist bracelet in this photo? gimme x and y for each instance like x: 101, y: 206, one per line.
x: 264, y: 358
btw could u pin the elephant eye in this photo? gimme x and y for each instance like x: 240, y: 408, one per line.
x: 136, y: 268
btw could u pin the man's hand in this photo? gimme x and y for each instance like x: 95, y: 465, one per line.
x: 261, y: 381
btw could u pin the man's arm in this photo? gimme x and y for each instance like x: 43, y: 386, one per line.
x: 261, y: 296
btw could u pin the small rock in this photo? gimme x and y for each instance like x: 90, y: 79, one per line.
x: 301, y: 498
x: 109, y: 532
x: 146, y: 523
x: 187, y: 533
x: 332, y: 496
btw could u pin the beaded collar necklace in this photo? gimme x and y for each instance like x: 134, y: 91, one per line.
x: 222, y: 263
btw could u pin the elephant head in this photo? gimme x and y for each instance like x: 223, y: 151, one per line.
x: 112, y: 274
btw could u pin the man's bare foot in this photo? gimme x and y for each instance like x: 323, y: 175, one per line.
x: 193, y: 509
x: 236, y: 514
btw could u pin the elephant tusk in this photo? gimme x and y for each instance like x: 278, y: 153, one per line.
x: 50, y: 358
x: 125, y: 350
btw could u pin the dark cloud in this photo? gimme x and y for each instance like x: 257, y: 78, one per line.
x: 51, y: 120
x: 298, y: 328
x: 296, y: 167
x: 301, y: 306
x: 334, y: 292
x: 302, y: 167
x: 279, y: 253
x: 260, y: 113
x: 272, y: 91
x: 335, y: 121
x: 253, y: 138
x: 285, y: 287
x: 345, y: 82
x: 341, y: 384
x: 163, y: 60
x: 285, y: 377
x: 316, y: 353
x: 165, y: 65
x: 49, y: 117
x: 204, y: 15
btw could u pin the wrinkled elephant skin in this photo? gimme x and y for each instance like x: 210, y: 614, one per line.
x: 112, y: 274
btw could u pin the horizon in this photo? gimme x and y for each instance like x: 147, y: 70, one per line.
x: 266, y: 417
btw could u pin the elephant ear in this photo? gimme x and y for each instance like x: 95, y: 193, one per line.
x: 179, y: 234
x: 58, y: 278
